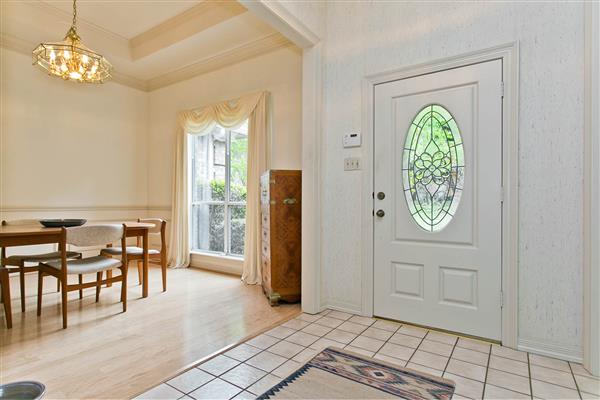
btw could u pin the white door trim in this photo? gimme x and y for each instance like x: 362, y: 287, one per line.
x: 276, y: 15
x: 509, y: 54
x: 591, y: 212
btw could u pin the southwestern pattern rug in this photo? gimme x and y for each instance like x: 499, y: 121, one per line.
x: 339, y: 374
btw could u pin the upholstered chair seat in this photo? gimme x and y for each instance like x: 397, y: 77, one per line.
x: 87, y: 265
x: 55, y: 255
x: 131, y: 250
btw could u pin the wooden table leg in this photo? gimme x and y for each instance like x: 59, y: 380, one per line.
x: 145, y: 266
x: 5, y: 285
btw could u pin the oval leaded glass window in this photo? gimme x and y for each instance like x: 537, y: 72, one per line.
x: 433, y: 168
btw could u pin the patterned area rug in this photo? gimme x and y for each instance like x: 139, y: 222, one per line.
x: 339, y: 374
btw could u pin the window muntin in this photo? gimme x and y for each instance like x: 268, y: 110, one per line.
x: 218, y: 164
x: 433, y: 168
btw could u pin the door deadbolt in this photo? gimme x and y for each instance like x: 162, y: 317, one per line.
x: 380, y: 213
x: 381, y: 195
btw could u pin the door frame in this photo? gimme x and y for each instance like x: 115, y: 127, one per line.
x: 509, y: 54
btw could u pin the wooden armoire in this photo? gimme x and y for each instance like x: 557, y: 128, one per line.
x: 281, y: 194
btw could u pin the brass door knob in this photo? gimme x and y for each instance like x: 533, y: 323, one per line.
x: 380, y: 213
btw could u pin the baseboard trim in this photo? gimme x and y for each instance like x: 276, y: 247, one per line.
x: 550, y: 349
x: 83, y: 208
x: 227, y: 265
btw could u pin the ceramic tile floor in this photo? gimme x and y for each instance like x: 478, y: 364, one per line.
x: 480, y: 370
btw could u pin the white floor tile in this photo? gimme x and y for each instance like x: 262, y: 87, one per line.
x: 190, y: 380
x: 264, y: 384
x: 389, y: 326
x: 430, y: 360
x: 286, y: 369
x: 339, y: 315
x: 324, y: 343
x: 367, y: 343
x: 441, y: 337
x: 507, y: 352
x: 216, y: 389
x: 508, y: 365
x: 266, y: 361
x: 243, y: 375
x: 471, y: 356
x: 396, y: 351
x: 405, y: 340
x: 362, y: 320
x: 473, y: 344
x: 280, y: 332
x: 553, y: 376
x: 508, y: 381
x: 376, y: 333
x: 242, y: 352
x: 341, y: 336
x: 360, y: 351
x: 286, y: 349
x: 422, y: 368
x: 330, y: 322
x: 302, y: 338
x: 391, y: 360
x: 466, y: 387
x: 468, y: 370
x: 548, y: 362
x: 588, y: 384
x: 544, y: 390
x: 296, y: 324
x: 218, y: 365
x: 317, y: 330
x: 352, y: 327
x: 305, y: 355
x: 412, y: 331
x: 263, y: 341
x: 436, y: 347
x: 309, y: 317
x: 497, y: 393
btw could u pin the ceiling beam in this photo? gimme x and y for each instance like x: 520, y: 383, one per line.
x: 197, y: 19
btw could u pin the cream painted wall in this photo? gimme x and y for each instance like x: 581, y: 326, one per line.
x: 364, y: 38
x: 65, y: 145
x: 279, y: 72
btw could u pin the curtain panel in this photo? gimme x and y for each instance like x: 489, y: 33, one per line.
x: 229, y: 114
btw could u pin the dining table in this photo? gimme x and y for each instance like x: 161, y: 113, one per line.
x: 27, y: 235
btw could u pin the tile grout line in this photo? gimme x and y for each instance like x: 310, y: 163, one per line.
x: 450, y: 356
x: 529, y: 371
x: 487, y: 370
x: 576, y: 384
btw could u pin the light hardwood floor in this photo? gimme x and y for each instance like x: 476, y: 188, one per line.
x: 105, y: 353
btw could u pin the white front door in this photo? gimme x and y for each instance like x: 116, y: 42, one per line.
x: 437, y: 182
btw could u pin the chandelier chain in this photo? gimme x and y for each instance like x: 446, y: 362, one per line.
x: 74, y: 13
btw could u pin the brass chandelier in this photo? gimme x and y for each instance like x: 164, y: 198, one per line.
x: 71, y: 60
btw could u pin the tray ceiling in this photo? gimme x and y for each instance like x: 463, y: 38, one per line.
x: 151, y: 44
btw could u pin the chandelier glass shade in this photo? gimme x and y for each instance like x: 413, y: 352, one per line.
x: 71, y: 60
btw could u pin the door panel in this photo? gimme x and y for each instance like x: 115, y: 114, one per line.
x: 437, y: 253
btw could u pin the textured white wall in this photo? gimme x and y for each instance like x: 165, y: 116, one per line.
x: 367, y: 38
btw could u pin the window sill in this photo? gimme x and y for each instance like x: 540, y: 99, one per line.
x: 218, y: 263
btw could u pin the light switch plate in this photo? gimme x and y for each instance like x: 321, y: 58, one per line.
x: 351, y: 164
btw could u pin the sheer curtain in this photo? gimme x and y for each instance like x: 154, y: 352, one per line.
x: 229, y: 114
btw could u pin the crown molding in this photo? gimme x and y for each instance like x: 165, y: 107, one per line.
x: 182, y: 26
x: 231, y: 56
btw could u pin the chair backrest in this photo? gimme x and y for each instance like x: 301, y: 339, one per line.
x: 158, y: 223
x: 15, y: 222
x: 94, y: 235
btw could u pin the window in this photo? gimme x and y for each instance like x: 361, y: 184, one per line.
x: 219, y: 164
x: 433, y: 166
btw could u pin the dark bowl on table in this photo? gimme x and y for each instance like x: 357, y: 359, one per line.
x: 59, y: 223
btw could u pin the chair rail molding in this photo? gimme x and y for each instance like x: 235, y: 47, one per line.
x: 591, y: 212
x: 509, y: 54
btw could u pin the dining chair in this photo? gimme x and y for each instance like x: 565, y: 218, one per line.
x: 83, y: 236
x: 136, y: 253
x: 16, y: 263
